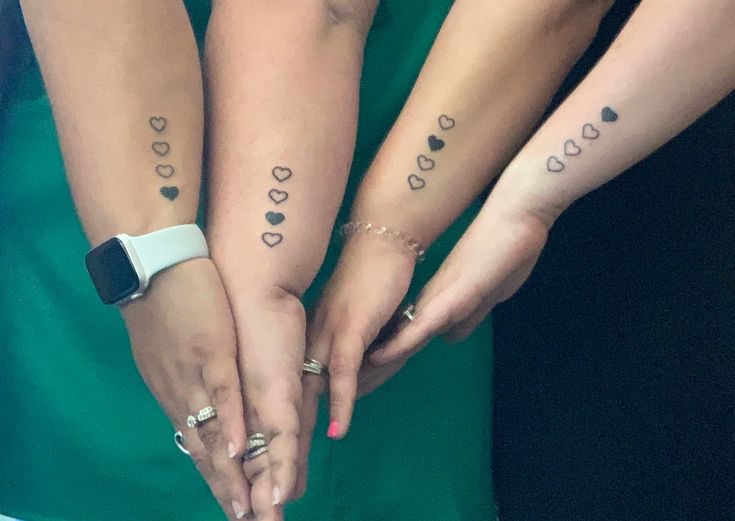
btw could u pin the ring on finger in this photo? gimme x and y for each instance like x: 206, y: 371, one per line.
x: 410, y: 312
x: 203, y: 416
x: 315, y: 367
x: 180, y: 441
x: 256, y: 446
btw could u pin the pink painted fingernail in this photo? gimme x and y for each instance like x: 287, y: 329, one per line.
x: 239, y: 511
x: 231, y: 452
x: 333, y: 431
x: 276, y: 495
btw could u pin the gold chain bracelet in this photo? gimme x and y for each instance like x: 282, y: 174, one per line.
x: 355, y: 227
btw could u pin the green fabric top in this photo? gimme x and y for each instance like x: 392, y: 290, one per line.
x: 83, y: 439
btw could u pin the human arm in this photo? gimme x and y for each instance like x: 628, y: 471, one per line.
x: 488, y: 78
x: 669, y: 65
x: 116, y: 89
x: 281, y: 139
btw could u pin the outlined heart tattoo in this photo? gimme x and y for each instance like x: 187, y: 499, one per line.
x: 445, y: 122
x: 277, y: 196
x: 165, y: 171
x: 554, y: 165
x: 281, y: 173
x: 271, y: 239
x: 590, y: 132
x: 571, y: 148
x: 158, y: 123
x: 425, y: 163
x: 416, y: 182
x: 435, y: 143
x: 160, y: 147
x: 170, y: 192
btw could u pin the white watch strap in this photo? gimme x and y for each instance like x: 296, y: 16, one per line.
x: 163, y: 248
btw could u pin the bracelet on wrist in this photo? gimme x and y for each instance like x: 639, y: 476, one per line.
x: 405, y: 241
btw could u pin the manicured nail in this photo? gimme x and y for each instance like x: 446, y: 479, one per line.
x: 231, y: 452
x: 333, y: 431
x: 239, y: 511
x: 276, y: 495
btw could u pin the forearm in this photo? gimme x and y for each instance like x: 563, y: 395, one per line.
x: 109, y: 68
x: 670, y: 64
x: 282, y: 135
x: 492, y: 70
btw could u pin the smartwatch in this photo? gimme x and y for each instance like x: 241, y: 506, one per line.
x: 122, y: 267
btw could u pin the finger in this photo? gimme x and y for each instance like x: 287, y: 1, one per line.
x: 373, y: 376
x: 313, y: 386
x: 344, y: 363
x: 257, y: 471
x: 222, y: 382
x: 428, y: 321
x: 466, y: 327
x: 233, y: 491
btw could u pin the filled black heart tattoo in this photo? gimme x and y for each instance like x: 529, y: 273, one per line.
x: 435, y: 143
x: 445, y: 122
x: 160, y: 147
x: 416, y: 182
x: 271, y: 239
x: 554, y: 165
x: 571, y: 148
x: 170, y: 192
x: 590, y: 132
x: 158, y: 123
x: 425, y: 163
x: 277, y: 196
x: 275, y: 218
x: 609, y: 115
x: 281, y: 173
x: 165, y: 171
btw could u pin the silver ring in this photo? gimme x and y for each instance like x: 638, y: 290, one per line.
x: 204, y: 415
x: 410, y: 312
x: 256, y: 446
x: 314, y: 367
x: 179, y: 440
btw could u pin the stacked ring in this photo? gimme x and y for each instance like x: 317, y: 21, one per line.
x: 256, y: 446
x: 314, y: 367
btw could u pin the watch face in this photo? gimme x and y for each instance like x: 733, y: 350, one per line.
x: 112, y: 272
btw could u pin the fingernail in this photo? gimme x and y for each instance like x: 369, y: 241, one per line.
x: 276, y: 495
x: 333, y: 430
x: 239, y: 511
x: 231, y: 452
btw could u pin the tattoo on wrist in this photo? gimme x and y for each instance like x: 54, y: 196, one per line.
x: 162, y: 148
x: 573, y: 148
x: 280, y: 174
x: 424, y: 162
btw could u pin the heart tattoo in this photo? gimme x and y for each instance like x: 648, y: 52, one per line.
x: 170, y: 192
x: 160, y: 147
x: 277, y: 196
x: 590, y: 132
x: 435, y: 143
x: 609, y: 115
x: 445, y: 122
x: 275, y: 218
x: 165, y: 171
x: 281, y: 173
x: 424, y: 162
x: 571, y: 148
x: 272, y: 239
x: 157, y: 123
x: 554, y: 165
x: 416, y: 182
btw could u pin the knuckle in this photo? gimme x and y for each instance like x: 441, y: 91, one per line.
x: 343, y: 365
x: 209, y: 435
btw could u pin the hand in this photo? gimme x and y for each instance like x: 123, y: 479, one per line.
x: 183, y: 341
x: 369, y: 284
x: 487, y: 266
x: 271, y: 336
